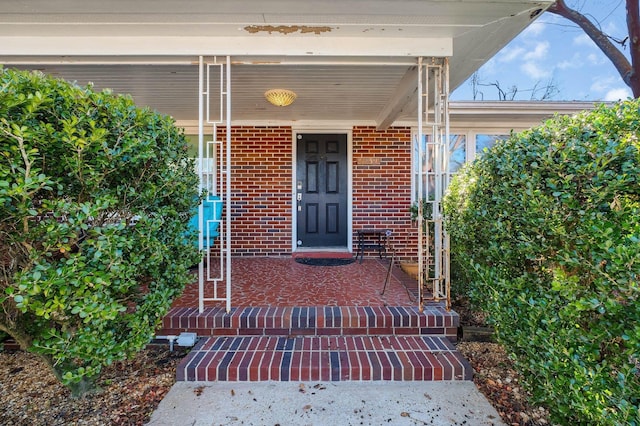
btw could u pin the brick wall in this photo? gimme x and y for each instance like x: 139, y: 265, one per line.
x: 261, y: 187
x: 261, y: 190
x: 382, y: 185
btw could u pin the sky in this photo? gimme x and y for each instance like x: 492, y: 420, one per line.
x: 554, y: 52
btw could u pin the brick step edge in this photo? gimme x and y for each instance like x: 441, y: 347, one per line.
x: 344, y: 358
x: 313, y: 321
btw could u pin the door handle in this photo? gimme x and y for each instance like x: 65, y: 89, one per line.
x: 299, y: 196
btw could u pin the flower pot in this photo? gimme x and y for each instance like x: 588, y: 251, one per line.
x: 410, y: 268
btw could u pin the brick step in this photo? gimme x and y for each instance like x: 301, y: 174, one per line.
x: 323, y: 358
x: 435, y: 320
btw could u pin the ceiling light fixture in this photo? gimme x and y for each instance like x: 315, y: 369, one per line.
x: 280, y: 97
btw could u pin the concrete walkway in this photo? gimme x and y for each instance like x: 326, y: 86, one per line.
x: 324, y: 403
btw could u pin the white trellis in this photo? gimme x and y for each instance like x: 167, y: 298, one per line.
x: 432, y: 141
x: 214, y: 160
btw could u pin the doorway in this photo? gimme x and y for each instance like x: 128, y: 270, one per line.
x: 321, y: 190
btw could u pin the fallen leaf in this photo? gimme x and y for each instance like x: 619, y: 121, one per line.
x: 233, y: 393
x: 306, y: 407
x: 404, y: 414
x: 301, y: 388
x: 426, y: 395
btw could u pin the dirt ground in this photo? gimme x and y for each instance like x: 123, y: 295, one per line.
x: 130, y: 391
x: 494, y: 374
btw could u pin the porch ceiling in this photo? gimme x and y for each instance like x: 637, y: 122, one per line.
x: 347, y: 60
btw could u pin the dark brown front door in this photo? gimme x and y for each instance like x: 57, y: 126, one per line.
x: 321, y: 190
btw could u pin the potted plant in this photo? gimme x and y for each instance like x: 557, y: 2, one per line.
x: 411, y: 268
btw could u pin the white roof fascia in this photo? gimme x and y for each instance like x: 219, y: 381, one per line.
x: 480, y: 108
x: 511, y: 114
x: 234, y: 46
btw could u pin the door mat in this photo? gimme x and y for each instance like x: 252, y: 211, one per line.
x: 324, y: 261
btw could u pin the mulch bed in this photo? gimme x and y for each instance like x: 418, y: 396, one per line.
x: 495, y: 375
x: 130, y: 391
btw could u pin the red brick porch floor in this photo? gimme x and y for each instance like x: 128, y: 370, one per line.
x: 282, y: 282
x: 297, y: 322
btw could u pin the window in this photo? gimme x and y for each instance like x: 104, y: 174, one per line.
x: 457, y: 152
x: 424, y: 168
x: 208, y: 164
x: 487, y: 141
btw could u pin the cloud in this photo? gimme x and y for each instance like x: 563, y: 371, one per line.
x: 610, y: 27
x: 535, y: 29
x: 531, y: 59
x: 617, y: 94
x: 509, y: 54
x: 539, y: 51
x: 596, y: 59
x: 605, y: 84
x: 535, y: 71
x: 583, y: 40
x: 575, y: 61
x: 609, y: 88
x: 579, y: 61
x: 566, y: 65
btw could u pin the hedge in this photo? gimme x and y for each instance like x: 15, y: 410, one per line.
x: 545, y: 233
x: 95, y: 195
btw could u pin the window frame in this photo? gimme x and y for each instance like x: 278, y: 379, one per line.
x: 470, y: 135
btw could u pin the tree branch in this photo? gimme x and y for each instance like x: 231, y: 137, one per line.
x: 633, y: 25
x: 617, y: 58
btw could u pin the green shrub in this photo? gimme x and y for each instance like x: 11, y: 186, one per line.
x: 95, y: 195
x: 545, y: 227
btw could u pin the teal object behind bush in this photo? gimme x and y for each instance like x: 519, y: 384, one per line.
x: 211, y: 214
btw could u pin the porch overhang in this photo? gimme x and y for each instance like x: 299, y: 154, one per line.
x: 361, y: 52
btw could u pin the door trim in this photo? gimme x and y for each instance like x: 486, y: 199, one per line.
x: 294, y: 213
